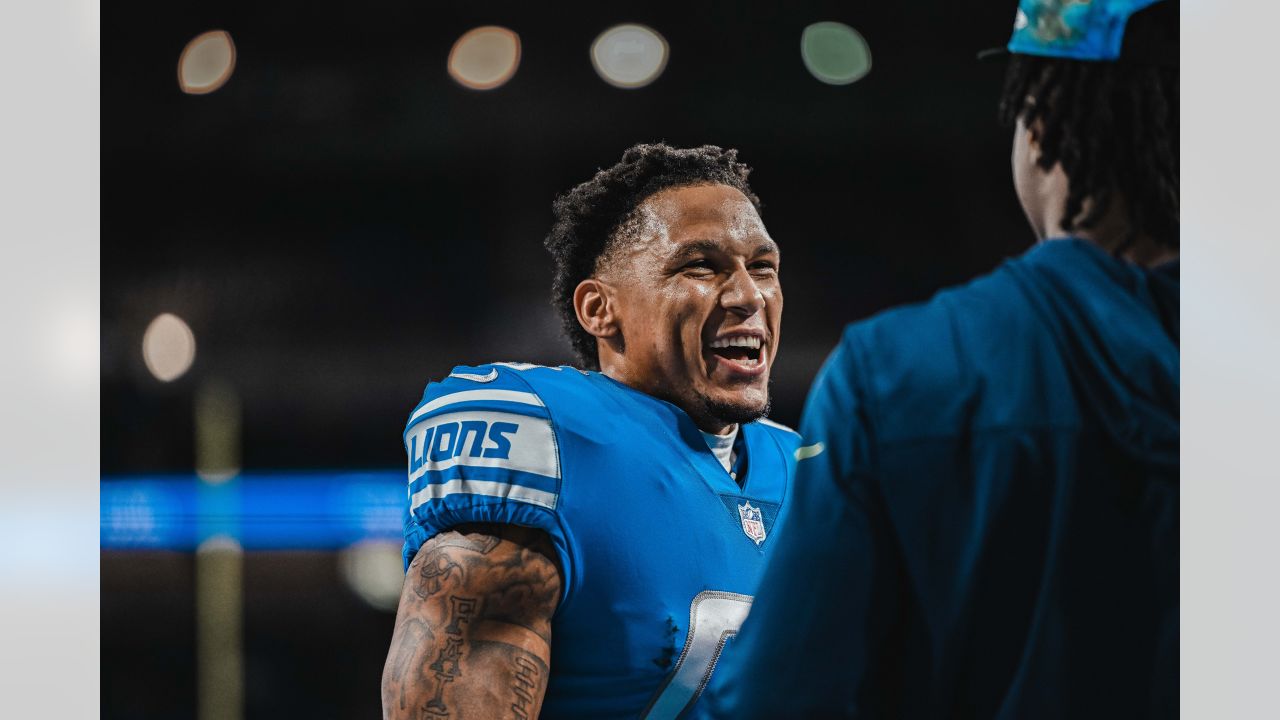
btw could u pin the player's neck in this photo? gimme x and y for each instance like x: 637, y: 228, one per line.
x: 613, y: 369
x: 1109, y: 232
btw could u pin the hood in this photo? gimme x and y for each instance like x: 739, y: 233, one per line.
x: 1117, y: 326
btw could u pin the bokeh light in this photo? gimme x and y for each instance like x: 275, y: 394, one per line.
x: 374, y: 571
x: 485, y: 58
x: 629, y: 56
x: 168, y: 347
x: 206, y: 63
x: 835, y: 53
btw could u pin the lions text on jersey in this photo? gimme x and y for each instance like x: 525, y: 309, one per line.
x: 660, y: 546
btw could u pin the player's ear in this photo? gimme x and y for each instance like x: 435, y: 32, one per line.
x: 1032, y: 137
x: 593, y: 302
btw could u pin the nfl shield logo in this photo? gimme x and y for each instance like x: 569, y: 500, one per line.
x: 752, y: 522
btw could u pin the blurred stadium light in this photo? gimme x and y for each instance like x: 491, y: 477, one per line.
x: 629, y: 56
x: 206, y: 63
x: 374, y: 570
x: 835, y: 53
x: 168, y: 347
x: 485, y: 58
x: 259, y: 510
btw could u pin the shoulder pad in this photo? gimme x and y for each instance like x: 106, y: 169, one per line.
x: 493, y: 386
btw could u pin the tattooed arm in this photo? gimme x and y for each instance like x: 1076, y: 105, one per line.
x: 473, y: 632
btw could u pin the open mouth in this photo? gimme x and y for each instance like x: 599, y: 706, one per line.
x: 744, y: 351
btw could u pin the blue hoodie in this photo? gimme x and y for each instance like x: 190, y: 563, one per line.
x: 986, y: 513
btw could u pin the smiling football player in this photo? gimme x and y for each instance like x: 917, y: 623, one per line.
x: 580, y: 542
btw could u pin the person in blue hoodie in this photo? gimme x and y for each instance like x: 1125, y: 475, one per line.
x: 986, y: 513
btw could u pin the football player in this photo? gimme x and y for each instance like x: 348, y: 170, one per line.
x: 580, y: 542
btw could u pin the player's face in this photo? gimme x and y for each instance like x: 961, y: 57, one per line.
x: 700, y: 304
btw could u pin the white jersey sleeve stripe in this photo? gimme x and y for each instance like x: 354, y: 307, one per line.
x: 482, y: 438
x: 512, y: 396
x: 487, y: 488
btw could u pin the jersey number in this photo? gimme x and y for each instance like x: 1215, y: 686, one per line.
x: 714, y: 617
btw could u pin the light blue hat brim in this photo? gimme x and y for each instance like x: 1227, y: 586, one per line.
x: 1074, y: 29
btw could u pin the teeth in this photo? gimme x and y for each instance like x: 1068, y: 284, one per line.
x: 745, y: 341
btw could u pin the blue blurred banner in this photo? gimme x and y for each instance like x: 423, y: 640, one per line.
x: 261, y: 511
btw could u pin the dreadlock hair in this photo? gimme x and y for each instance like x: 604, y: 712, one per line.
x: 599, y: 215
x: 1114, y: 128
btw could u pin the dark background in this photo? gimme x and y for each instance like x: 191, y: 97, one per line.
x: 342, y: 223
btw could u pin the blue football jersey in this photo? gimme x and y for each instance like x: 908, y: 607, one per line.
x: 661, y: 548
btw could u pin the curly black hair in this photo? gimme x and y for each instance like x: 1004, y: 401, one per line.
x: 595, y: 217
x: 1114, y: 128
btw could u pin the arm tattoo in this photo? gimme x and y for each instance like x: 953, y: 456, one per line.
x: 413, y: 634
x: 474, y: 626
x: 437, y: 566
x: 527, y: 680
x: 447, y: 664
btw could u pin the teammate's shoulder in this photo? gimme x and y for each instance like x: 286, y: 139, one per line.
x: 982, y: 310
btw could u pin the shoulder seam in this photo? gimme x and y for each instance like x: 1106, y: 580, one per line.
x: 555, y: 431
x: 777, y: 425
x: 516, y: 374
x: 567, y: 593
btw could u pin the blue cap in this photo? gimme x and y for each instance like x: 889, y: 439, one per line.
x: 1090, y: 30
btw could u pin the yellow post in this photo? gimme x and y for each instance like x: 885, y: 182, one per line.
x: 219, y: 629
x: 220, y: 558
